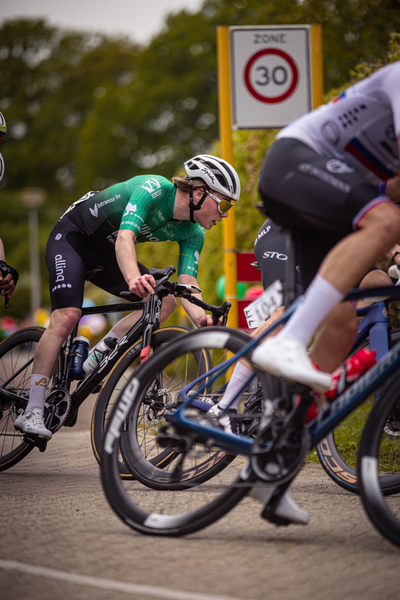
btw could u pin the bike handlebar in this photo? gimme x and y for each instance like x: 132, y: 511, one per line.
x: 181, y: 290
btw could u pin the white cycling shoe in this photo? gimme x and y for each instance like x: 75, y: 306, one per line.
x: 287, y: 508
x: 32, y: 422
x: 225, y: 419
x: 288, y: 358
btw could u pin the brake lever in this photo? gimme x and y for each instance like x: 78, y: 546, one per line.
x: 6, y: 298
x: 222, y: 312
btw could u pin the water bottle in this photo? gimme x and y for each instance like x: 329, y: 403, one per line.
x: 97, y: 355
x: 79, y: 353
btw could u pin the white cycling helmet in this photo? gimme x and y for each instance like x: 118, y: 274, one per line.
x: 216, y: 173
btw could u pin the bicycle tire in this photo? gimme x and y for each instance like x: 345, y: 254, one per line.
x: 338, y: 451
x: 139, y: 444
x: 379, y: 460
x: 114, y: 384
x: 157, y: 511
x: 16, y: 351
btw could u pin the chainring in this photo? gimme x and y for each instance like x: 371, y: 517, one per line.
x: 56, y: 408
x: 276, y: 461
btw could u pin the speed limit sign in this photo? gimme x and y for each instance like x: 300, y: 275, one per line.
x: 272, y: 75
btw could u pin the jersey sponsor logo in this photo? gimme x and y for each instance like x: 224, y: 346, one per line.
x: 390, y: 133
x: 151, y: 185
x: 147, y: 233
x: 94, y: 211
x: 156, y: 194
x: 273, y: 254
x: 160, y: 215
x: 112, y: 237
x: 262, y: 233
x: 337, y: 166
x: 41, y: 382
x: 60, y: 266
x: 130, y: 208
x: 209, y: 173
x: 324, y: 176
x: 197, y: 256
x: 331, y: 132
x: 168, y: 230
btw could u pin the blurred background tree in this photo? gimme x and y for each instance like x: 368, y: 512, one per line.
x: 85, y: 110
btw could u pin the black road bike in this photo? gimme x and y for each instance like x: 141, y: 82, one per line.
x: 61, y: 403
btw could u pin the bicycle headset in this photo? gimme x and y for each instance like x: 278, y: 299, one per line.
x: 218, y: 175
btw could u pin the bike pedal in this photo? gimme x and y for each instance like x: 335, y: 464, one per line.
x: 268, y: 515
x: 35, y: 440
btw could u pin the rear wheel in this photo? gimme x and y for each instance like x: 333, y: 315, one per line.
x: 155, y: 466
x: 115, y: 383
x: 16, y: 361
x: 379, y: 464
x: 197, y: 500
x: 338, y: 452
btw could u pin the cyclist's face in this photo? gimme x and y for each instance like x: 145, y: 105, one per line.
x: 209, y: 215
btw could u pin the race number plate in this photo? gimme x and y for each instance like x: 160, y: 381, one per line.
x: 262, y: 308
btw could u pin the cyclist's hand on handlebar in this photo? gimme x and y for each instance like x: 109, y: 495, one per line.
x: 143, y: 285
x: 8, y: 279
x: 207, y: 321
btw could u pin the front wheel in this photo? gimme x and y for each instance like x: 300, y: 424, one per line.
x: 196, y: 502
x: 115, y: 383
x: 16, y: 361
x: 379, y: 464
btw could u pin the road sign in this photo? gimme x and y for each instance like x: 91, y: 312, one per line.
x: 272, y: 75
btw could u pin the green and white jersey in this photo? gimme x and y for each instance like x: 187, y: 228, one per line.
x: 143, y: 204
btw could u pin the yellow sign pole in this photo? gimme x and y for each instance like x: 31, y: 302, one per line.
x: 225, y: 129
x: 317, y: 73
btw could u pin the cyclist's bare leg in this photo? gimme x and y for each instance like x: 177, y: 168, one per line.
x: 377, y: 232
x: 374, y: 278
x: 62, y: 322
x: 335, y: 337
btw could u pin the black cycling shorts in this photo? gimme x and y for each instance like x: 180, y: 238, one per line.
x: 321, y: 200
x: 72, y: 260
x: 270, y: 252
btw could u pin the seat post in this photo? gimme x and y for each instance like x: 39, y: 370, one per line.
x: 290, y: 292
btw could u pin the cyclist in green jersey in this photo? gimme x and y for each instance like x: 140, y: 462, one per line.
x: 95, y: 240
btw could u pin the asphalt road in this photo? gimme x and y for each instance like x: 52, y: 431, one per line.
x: 60, y: 540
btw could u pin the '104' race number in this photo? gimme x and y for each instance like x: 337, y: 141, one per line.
x: 262, y: 308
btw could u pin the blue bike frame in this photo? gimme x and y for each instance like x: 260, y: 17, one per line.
x: 331, y: 414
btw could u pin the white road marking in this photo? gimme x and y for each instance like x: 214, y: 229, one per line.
x: 107, y: 584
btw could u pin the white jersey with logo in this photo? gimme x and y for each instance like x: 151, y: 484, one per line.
x: 360, y: 127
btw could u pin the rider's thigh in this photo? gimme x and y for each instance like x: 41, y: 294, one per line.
x: 383, y: 220
x: 63, y: 320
